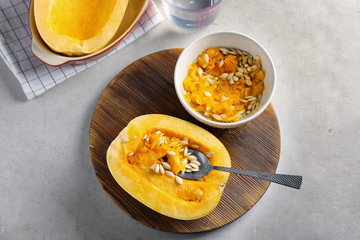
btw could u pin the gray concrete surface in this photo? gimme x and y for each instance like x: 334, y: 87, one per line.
x: 48, y: 189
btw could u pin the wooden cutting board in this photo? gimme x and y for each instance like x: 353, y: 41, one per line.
x: 146, y: 86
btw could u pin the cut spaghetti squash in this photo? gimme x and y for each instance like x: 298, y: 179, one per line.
x: 152, y: 141
x: 78, y: 27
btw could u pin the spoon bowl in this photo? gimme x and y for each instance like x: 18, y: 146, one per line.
x: 293, y: 181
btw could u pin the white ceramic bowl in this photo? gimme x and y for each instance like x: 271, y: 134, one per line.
x: 230, y: 40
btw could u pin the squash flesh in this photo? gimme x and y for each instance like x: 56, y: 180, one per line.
x: 190, y: 200
x: 78, y: 27
x: 81, y: 12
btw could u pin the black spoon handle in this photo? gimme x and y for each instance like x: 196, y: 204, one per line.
x: 293, y: 181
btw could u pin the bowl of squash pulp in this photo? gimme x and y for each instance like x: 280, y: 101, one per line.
x: 73, y: 31
x: 225, y: 79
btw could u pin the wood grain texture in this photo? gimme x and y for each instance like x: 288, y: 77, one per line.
x: 146, y: 86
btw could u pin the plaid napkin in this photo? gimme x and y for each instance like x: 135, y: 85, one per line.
x: 34, y: 76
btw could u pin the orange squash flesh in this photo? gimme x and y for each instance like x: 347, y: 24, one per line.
x: 78, y: 27
x: 208, y: 93
x: 134, y: 151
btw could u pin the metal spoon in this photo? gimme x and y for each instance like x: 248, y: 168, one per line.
x: 293, y: 181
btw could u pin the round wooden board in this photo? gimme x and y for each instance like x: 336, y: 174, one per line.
x: 146, y: 86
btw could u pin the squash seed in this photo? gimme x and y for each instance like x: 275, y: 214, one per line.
x: 207, y: 94
x: 224, y: 50
x: 153, y: 167
x: 161, y: 168
x: 253, y: 107
x: 171, y: 153
x: 157, y: 168
x: 209, y: 154
x: 244, y: 60
x: 166, y: 165
x: 224, y: 75
x: 221, y: 63
x: 240, y: 69
x: 238, y: 74
x: 217, y: 117
x: 186, y: 151
x: 178, y: 180
x: 200, y: 71
x: 252, y: 99
x: 206, y: 58
x: 197, y: 163
x: 130, y: 154
x: 169, y: 174
x: 193, y: 165
x: 195, y: 146
x: 192, y: 158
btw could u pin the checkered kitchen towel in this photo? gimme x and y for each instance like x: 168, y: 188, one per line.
x: 34, y: 76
